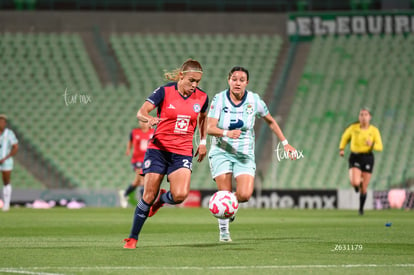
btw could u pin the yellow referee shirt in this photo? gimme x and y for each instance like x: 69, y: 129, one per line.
x: 359, y: 138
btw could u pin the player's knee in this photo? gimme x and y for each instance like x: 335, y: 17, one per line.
x: 179, y: 197
x: 243, y: 196
x: 355, y: 182
x: 149, y: 197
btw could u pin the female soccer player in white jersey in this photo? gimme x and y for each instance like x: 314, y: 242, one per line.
x: 8, y: 148
x: 231, y: 123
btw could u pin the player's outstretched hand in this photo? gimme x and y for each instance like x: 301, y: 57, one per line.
x: 293, y: 154
x: 201, y: 152
x: 341, y: 153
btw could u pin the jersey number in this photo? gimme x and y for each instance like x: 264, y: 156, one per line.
x: 188, y: 164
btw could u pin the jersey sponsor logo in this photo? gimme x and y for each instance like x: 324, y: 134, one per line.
x: 236, y: 124
x: 181, y: 125
x: 171, y: 106
x: 197, y: 108
x: 226, y: 110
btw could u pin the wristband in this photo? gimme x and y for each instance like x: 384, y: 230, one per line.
x: 225, y: 133
x: 203, y: 142
x: 285, y: 142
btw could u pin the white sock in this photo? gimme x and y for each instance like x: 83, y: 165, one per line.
x: 223, y: 225
x: 7, y: 192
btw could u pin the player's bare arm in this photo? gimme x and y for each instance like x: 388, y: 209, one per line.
x: 143, y: 114
x: 276, y: 129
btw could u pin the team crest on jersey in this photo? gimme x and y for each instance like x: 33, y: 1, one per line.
x: 182, y: 123
x: 249, y: 109
x: 197, y: 108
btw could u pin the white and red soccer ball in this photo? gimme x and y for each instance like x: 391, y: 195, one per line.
x: 223, y: 204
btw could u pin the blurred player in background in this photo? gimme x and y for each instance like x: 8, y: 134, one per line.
x: 8, y: 148
x: 231, y: 122
x: 138, y: 141
x: 180, y: 105
x: 364, y: 139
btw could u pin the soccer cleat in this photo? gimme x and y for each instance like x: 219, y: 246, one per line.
x: 122, y: 199
x: 232, y: 218
x: 130, y: 243
x: 157, y: 204
x: 361, y: 212
x: 225, y: 237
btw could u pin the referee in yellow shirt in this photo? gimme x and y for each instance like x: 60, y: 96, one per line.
x: 364, y: 139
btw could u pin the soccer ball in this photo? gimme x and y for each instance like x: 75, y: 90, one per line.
x: 223, y: 204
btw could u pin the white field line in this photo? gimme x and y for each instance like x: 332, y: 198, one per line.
x: 36, y: 270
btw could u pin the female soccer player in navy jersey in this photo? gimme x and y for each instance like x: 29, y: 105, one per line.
x: 180, y: 104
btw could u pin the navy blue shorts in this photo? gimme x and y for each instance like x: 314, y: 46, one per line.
x: 164, y: 163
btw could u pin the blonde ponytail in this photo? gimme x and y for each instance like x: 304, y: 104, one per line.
x: 189, y: 65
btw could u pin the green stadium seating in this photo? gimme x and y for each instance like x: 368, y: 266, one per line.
x: 86, y: 140
x: 22, y: 179
x: 341, y: 75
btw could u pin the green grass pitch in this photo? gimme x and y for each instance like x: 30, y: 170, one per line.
x: 185, y: 241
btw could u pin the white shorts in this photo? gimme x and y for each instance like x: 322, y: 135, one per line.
x: 7, y: 165
x: 224, y: 162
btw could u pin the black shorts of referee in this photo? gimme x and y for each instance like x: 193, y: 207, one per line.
x: 362, y: 161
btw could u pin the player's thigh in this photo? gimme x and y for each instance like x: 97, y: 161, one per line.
x: 224, y: 181
x: 152, y: 182
x: 244, y: 173
x: 245, y: 187
x: 179, y: 176
x: 139, y: 178
x: 355, y: 175
x: 180, y: 181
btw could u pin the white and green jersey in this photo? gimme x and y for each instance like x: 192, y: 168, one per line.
x: 241, y: 116
x: 7, y: 140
